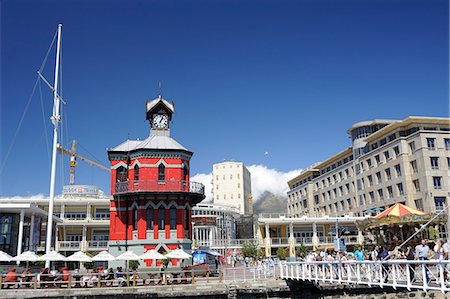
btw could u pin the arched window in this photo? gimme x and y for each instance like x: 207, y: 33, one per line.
x: 173, y: 218
x: 136, y: 172
x: 150, y: 218
x: 161, y: 172
x: 121, y: 174
x: 161, y: 218
x: 185, y: 173
x: 135, y: 218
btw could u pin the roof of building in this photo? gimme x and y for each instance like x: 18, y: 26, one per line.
x: 152, y: 142
x: 153, y: 103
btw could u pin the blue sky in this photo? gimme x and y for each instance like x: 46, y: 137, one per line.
x: 247, y: 77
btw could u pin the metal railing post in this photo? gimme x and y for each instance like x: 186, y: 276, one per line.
x: 424, y: 277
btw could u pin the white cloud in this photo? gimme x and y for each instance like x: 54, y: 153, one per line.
x: 263, y: 179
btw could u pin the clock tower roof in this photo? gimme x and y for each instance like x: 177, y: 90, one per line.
x: 153, y: 105
x: 153, y: 142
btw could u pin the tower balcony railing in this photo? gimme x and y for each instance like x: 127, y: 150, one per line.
x: 158, y: 186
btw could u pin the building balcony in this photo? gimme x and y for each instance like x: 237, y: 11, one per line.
x: 83, y: 245
x: 170, y: 186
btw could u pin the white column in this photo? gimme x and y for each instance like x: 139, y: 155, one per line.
x: 291, y: 241
x: 88, y: 212
x: 57, y: 238
x: 31, y: 244
x: 62, y: 211
x: 267, y: 242
x: 360, y: 237
x: 315, y: 240
x: 83, y: 240
x: 20, y: 237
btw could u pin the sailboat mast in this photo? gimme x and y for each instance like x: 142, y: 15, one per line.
x: 56, y: 119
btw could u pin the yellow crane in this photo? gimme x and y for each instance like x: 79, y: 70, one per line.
x: 73, y: 161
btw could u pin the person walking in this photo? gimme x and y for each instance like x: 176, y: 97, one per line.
x: 422, y: 253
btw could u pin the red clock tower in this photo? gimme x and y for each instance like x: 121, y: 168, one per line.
x: 152, y: 191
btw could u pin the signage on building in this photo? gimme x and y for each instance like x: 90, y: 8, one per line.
x: 204, y: 220
x: 80, y: 190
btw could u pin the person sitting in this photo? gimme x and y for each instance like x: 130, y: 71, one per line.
x: 11, y: 278
x: 44, y: 276
x: 26, y: 277
x: 120, y: 277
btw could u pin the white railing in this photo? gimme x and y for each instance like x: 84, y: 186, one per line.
x: 424, y: 275
x: 253, y: 273
x: 97, y: 245
x: 69, y: 245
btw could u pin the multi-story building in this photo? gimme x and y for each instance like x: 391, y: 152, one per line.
x: 405, y: 161
x: 81, y: 221
x: 214, y: 225
x: 232, y: 186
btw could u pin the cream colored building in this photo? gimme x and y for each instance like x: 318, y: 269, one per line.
x: 390, y: 161
x: 83, y: 219
x: 232, y: 186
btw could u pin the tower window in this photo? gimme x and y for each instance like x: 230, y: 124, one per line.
x: 136, y: 172
x: 161, y: 218
x: 161, y: 172
x: 185, y: 173
x: 173, y: 218
x: 150, y: 218
x: 135, y: 218
x: 121, y: 174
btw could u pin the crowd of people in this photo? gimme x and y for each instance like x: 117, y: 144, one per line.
x: 424, y: 250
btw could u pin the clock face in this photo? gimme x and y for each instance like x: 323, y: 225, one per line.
x: 160, y: 121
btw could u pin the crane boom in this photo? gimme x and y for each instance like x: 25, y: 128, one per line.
x: 73, y: 163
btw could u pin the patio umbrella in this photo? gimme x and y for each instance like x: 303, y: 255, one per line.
x: 178, y: 254
x: 152, y: 255
x: 52, y: 256
x: 79, y: 256
x: 27, y: 256
x: 369, y: 211
x: 399, y: 210
x: 4, y: 257
x: 378, y: 209
x: 103, y: 256
x: 128, y: 256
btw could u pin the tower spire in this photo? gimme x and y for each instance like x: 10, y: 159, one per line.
x: 160, y: 89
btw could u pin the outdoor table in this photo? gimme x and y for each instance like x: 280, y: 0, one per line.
x: 77, y: 279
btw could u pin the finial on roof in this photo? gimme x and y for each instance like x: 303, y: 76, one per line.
x: 160, y: 90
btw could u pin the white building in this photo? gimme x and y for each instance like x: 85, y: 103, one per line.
x: 214, y: 225
x: 390, y: 161
x: 232, y: 186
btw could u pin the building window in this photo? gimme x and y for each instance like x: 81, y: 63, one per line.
x: 398, y: 170
x: 448, y: 163
x: 121, y: 174
x: 386, y: 155
x: 231, y: 195
x: 224, y: 196
x: 447, y: 143
x: 6, y: 238
x: 412, y: 146
x: 239, y: 185
x: 231, y: 176
x: 439, y: 203
x: 431, y: 143
x: 372, y: 197
x: 380, y: 194
x: 388, y: 173
x: 416, y: 185
x: 437, y: 182
x: 150, y: 218
x: 173, y: 218
x: 161, y: 172
x: 378, y: 174
x: 419, y: 204
x: 396, y: 150
x: 161, y: 218
x: 369, y: 163
x: 434, y: 162
x: 414, y: 166
x: 377, y: 159
x: 136, y: 172
x: 239, y: 195
x: 135, y: 218
x: 390, y: 192
x: 185, y: 173
x: 369, y: 178
x: 400, y: 188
